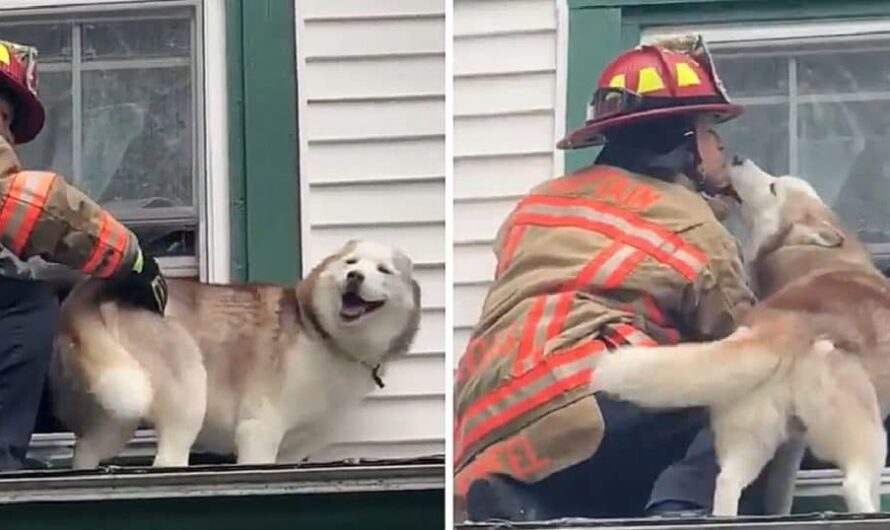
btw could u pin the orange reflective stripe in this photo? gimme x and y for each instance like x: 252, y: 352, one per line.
x: 655, y: 241
x: 112, y: 238
x: 623, y: 268
x: 560, y: 372
x: 23, y: 206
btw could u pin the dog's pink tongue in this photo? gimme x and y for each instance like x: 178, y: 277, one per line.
x: 352, y: 310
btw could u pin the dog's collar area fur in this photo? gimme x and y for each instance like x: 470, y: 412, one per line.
x: 310, y: 320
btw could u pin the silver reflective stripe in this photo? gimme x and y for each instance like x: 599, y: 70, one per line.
x: 612, y: 264
x: 622, y: 225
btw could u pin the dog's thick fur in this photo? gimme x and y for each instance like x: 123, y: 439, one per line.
x: 233, y: 369
x: 810, y: 364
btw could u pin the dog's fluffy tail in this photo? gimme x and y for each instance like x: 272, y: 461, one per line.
x: 119, y: 383
x: 686, y: 375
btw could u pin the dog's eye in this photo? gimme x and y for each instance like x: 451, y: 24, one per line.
x: 772, y: 188
x: 383, y: 269
x: 351, y: 261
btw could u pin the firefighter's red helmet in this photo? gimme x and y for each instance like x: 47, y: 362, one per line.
x: 648, y: 82
x: 18, y: 80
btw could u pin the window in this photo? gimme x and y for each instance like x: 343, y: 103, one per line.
x: 817, y: 101
x: 121, y: 90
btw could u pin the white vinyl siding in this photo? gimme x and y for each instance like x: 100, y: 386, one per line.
x: 507, y: 109
x: 372, y: 166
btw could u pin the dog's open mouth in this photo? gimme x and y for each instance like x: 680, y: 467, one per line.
x: 353, y: 306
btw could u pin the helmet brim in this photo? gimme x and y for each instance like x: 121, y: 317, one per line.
x: 29, y: 112
x: 592, y: 133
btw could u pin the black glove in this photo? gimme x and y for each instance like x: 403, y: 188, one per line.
x: 144, y: 287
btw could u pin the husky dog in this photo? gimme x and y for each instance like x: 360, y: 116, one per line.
x: 233, y: 368
x: 810, y: 365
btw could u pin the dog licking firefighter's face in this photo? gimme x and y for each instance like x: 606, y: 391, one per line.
x: 714, y: 170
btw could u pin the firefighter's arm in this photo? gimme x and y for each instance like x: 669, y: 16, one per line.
x: 716, y: 301
x: 42, y: 215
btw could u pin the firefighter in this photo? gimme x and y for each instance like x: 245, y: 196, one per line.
x: 625, y: 251
x: 44, y: 218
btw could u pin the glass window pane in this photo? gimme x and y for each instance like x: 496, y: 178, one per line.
x: 138, y: 135
x: 761, y: 134
x: 137, y: 39
x: 753, y: 76
x: 51, y: 149
x: 845, y: 152
x: 844, y: 72
x: 53, y: 40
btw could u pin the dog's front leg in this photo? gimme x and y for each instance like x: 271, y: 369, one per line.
x: 257, y: 440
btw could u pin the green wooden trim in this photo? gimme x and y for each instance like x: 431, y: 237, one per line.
x: 586, y: 59
x: 600, y: 29
x: 263, y: 136
x: 235, y: 97
x: 393, y: 510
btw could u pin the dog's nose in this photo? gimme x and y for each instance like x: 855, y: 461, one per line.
x: 355, y: 277
x: 737, y: 160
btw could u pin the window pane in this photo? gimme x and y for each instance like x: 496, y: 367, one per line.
x: 761, y: 134
x: 845, y: 152
x: 138, y: 39
x: 51, y: 149
x: 138, y: 135
x: 844, y: 72
x: 53, y: 41
x: 753, y: 76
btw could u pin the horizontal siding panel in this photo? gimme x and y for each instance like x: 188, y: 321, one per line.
x: 379, y: 451
x: 373, y: 124
x: 476, y: 95
x: 424, y: 244
x: 350, y: 120
x: 515, y: 176
x: 311, y: 9
x: 474, y: 263
x: 410, y: 376
x: 432, y: 286
x: 485, y: 17
x: 505, y: 54
x: 376, y: 203
x: 470, y: 299
x: 431, y: 335
x: 395, y: 420
x: 374, y: 37
x: 375, y: 160
x: 375, y: 77
x: 480, y: 220
x: 496, y: 134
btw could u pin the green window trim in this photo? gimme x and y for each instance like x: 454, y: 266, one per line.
x: 264, y: 191
x: 601, y: 29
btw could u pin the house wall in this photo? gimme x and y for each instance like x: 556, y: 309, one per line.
x: 372, y: 166
x: 508, y: 110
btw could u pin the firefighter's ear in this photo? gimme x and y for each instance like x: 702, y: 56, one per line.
x: 820, y: 234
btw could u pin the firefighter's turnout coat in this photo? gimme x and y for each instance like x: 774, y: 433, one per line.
x: 585, y: 263
x: 41, y: 216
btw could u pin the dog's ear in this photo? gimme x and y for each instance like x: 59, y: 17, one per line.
x: 820, y: 234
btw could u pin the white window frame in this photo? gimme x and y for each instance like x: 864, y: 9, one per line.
x: 213, y: 251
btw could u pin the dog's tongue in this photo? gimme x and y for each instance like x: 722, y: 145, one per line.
x: 353, y: 306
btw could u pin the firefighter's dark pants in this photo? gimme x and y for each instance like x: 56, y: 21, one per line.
x: 645, y: 458
x: 28, y: 317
